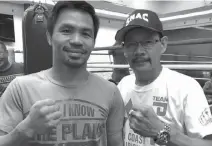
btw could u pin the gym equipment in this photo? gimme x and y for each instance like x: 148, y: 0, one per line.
x: 37, y: 52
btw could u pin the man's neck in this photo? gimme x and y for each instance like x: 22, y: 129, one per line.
x: 146, y: 77
x: 69, y: 76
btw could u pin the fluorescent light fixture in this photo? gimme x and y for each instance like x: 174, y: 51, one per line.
x: 105, y: 12
x: 186, y: 15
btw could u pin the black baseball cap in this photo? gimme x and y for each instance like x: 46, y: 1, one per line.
x: 140, y: 18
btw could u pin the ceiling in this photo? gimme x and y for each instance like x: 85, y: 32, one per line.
x: 159, y: 6
x: 162, y: 6
x: 127, y: 6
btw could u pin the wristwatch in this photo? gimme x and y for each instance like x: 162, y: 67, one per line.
x: 163, y: 136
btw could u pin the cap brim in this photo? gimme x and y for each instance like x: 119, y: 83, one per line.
x: 122, y: 32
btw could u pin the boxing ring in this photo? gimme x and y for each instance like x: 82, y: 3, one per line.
x: 181, y: 65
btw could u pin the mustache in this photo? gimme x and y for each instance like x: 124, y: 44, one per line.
x: 74, y: 50
x: 140, y: 59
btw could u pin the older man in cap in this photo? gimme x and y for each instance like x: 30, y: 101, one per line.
x: 163, y: 107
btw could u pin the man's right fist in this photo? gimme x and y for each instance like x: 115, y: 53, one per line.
x: 43, y: 115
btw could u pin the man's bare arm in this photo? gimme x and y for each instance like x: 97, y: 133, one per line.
x: 116, y: 140
x: 44, y: 114
x: 145, y: 115
x: 115, y: 121
x: 180, y: 139
x: 15, y: 137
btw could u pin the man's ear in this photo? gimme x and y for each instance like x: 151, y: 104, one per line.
x: 49, y: 38
x: 164, y: 43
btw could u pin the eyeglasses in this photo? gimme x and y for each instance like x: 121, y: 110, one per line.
x: 146, y: 44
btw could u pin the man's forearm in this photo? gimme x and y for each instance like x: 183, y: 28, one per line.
x: 181, y: 139
x: 115, y: 140
x: 15, y: 137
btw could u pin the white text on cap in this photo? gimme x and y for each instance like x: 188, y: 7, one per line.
x: 137, y: 16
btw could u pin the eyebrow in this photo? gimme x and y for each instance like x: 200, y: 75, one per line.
x: 84, y: 28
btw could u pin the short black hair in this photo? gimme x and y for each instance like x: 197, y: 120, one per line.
x: 80, y: 5
x: 4, y: 46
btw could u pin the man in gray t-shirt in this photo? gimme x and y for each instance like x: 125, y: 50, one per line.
x: 90, y: 111
x: 64, y: 105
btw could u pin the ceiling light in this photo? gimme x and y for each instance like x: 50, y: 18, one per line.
x: 105, y: 12
x: 186, y: 15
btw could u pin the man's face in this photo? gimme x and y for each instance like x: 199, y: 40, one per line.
x: 3, y: 55
x: 73, y: 38
x: 143, y: 49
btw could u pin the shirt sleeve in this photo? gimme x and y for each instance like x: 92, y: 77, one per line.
x: 197, y: 116
x: 10, y: 107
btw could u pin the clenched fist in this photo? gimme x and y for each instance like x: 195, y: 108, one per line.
x: 144, y: 121
x: 43, y: 115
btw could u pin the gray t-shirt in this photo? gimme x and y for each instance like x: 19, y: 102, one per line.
x: 91, y: 111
